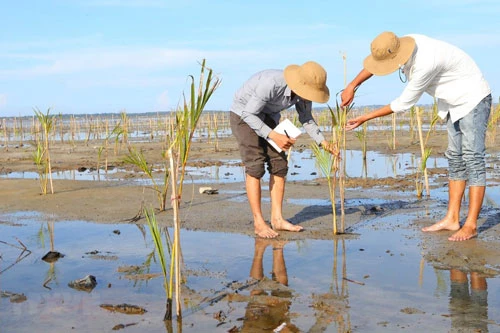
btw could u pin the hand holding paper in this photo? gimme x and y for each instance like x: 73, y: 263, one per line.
x: 286, y: 127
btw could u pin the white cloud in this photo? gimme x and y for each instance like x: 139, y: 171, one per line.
x: 3, y: 100
x: 123, y: 59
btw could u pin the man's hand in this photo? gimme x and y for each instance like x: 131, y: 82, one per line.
x: 330, y: 147
x: 283, y: 141
x: 347, y: 96
x: 354, y: 123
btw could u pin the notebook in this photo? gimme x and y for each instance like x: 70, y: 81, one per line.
x: 285, y: 127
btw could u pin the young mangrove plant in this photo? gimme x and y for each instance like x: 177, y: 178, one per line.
x: 179, y: 136
x: 333, y: 166
x: 339, y: 134
x: 41, y: 166
x: 329, y: 166
x: 43, y: 156
x: 362, y: 137
x: 120, y: 131
x: 162, y: 258
x: 424, y: 150
x: 137, y: 158
x: 186, y: 120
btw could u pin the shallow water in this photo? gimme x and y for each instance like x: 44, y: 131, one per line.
x: 387, y: 285
x: 302, y: 167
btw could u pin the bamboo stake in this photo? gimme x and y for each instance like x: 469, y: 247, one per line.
x: 422, y: 150
x: 394, y: 131
x: 343, y: 156
x: 175, y: 204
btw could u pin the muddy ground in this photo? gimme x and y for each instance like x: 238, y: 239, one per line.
x: 228, y: 211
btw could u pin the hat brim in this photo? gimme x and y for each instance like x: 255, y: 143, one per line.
x: 387, y: 66
x: 293, y: 80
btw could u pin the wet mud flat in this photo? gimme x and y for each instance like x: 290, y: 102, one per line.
x: 382, y: 275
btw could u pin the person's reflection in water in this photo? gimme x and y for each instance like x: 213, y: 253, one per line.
x: 468, y: 310
x: 265, y: 312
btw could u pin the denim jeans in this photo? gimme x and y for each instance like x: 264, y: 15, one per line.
x: 466, y: 145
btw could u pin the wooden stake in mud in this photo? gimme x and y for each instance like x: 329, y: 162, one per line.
x: 176, y: 250
x: 422, y: 150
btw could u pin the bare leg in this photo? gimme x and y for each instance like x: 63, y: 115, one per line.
x: 277, y: 189
x: 254, y: 198
x: 477, y: 282
x: 279, y: 267
x: 458, y: 276
x: 451, y: 221
x: 469, y: 229
x: 257, y: 270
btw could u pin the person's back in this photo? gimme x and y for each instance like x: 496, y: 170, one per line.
x: 454, y: 76
x: 267, y: 85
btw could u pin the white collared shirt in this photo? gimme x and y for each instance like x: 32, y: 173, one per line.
x: 445, y: 72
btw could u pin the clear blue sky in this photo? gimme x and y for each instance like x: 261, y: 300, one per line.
x: 90, y: 56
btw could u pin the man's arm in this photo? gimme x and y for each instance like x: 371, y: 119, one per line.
x: 355, y: 122
x: 347, y: 95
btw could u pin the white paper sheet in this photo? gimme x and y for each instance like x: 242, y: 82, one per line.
x: 285, y: 127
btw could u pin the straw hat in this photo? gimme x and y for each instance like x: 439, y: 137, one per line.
x: 388, y: 53
x: 308, y: 81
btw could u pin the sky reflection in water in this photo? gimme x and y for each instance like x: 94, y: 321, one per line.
x: 389, y: 287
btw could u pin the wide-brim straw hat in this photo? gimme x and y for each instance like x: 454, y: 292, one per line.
x: 308, y: 81
x: 388, y: 53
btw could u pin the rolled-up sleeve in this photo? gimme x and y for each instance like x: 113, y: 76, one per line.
x: 304, y: 109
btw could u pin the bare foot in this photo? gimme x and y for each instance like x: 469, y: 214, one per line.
x: 442, y: 225
x: 463, y: 234
x: 282, y: 224
x: 264, y: 231
x: 279, y: 244
x: 262, y: 243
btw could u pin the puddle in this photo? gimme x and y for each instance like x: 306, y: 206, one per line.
x: 67, y: 175
x: 302, y: 167
x: 359, y: 284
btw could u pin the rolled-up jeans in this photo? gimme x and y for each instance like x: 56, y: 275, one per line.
x: 466, y: 145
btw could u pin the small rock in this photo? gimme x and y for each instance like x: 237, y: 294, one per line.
x: 87, y: 284
x: 17, y: 298
x: 208, y: 190
x: 124, y: 308
x: 52, y: 256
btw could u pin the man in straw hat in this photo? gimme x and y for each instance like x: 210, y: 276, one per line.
x: 464, y: 99
x: 255, y: 112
